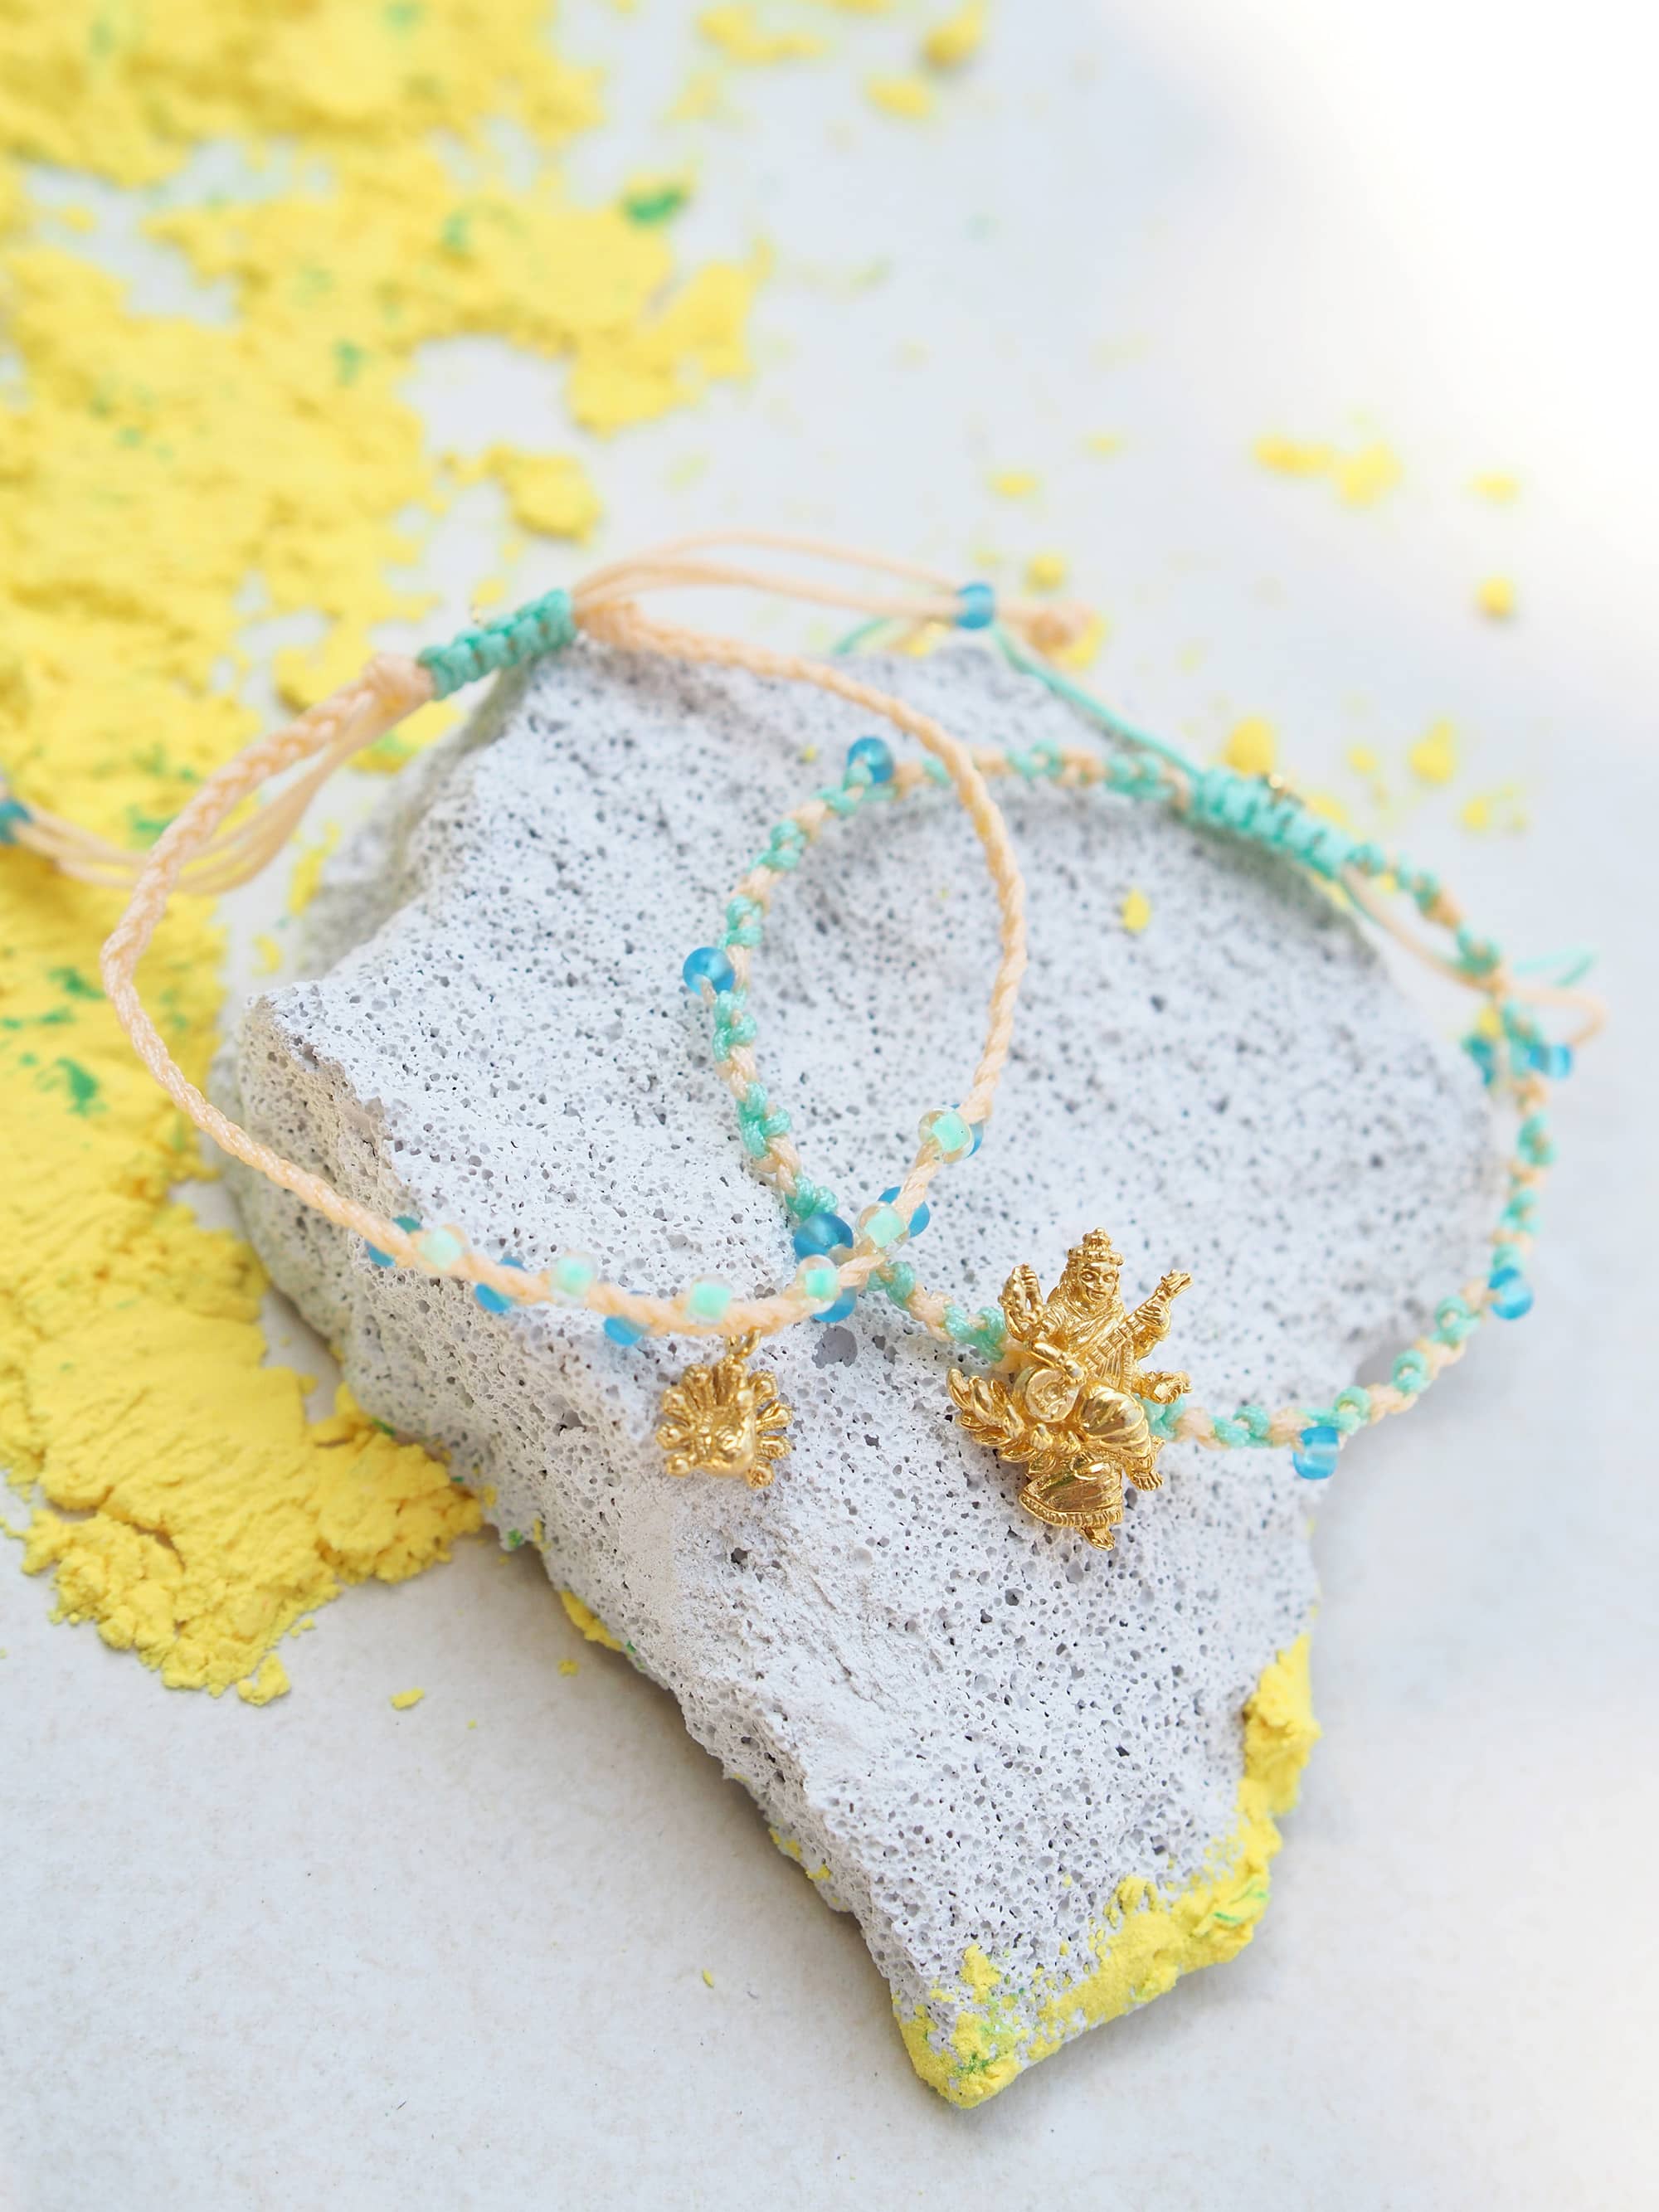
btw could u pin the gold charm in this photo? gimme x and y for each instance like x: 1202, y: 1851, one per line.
x: 724, y: 1419
x: 1070, y: 1412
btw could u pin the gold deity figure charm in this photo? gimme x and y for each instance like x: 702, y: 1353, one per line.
x: 725, y: 1418
x: 1069, y: 1411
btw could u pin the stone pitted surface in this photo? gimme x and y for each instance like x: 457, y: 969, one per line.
x: 976, y: 1725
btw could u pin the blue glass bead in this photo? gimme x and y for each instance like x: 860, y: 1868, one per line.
x: 624, y: 1332
x: 1512, y: 1293
x: 407, y: 1222
x: 873, y: 753
x: 12, y: 812
x: 976, y: 606
x: 1321, y: 1449
x: 843, y: 1305
x: 822, y: 1232
x: 707, y: 964
x: 491, y: 1301
x: 918, y: 1219
x: 381, y: 1259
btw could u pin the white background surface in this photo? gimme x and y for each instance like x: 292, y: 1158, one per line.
x: 329, y: 1953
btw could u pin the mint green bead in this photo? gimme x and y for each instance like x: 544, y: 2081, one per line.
x: 935, y: 770
x: 818, y: 1281
x: 747, y: 933
x: 1505, y: 1255
x: 949, y: 1131
x: 708, y: 1300
x: 439, y: 1247
x: 882, y: 1225
x: 572, y: 1275
x: 1411, y: 1373
x: 898, y: 1279
x: 958, y: 1326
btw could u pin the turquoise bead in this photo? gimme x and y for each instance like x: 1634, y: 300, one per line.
x: 708, y: 1300
x: 709, y: 964
x: 1553, y: 1061
x: 976, y: 606
x: 491, y: 1301
x: 822, y: 1232
x: 1511, y: 1294
x: 12, y: 812
x: 381, y: 1259
x: 842, y: 1306
x: 874, y: 754
x: 950, y: 1131
x: 918, y: 1219
x: 624, y: 1332
x: 1321, y: 1449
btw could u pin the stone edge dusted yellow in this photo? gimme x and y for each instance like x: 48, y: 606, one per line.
x: 1147, y: 1939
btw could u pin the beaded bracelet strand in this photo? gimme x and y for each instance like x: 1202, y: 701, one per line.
x: 195, y: 854
x: 1506, y: 1041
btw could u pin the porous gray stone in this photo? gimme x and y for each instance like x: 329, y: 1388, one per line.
x: 977, y: 1724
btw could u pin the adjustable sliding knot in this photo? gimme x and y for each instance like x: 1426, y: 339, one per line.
x: 545, y: 625
x: 1249, y: 806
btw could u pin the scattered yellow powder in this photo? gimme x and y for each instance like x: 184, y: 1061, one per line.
x: 1495, y: 485
x: 1136, y: 911
x: 548, y: 493
x: 401, y: 1701
x: 1103, y: 444
x: 1012, y: 483
x: 809, y: 754
x: 1085, y: 648
x: 267, y: 954
x: 1288, y: 458
x: 699, y: 100
x: 911, y: 97
x: 737, y: 31
x: 1433, y: 759
x: 307, y: 874
x: 1045, y: 572
x: 958, y: 37
x: 1363, y: 760
x: 489, y: 592
x: 570, y: 1666
x: 1493, y: 810
x: 709, y: 1979
x: 152, y: 463
x: 1252, y: 747
x: 1363, y: 478
x: 1327, y: 804
x: 584, y: 1617
x: 1495, y: 597
x: 271, y: 1680
x: 1360, y: 478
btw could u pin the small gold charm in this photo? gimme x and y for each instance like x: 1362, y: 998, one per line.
x: 724, y: 1419
x: 1070, y: 1412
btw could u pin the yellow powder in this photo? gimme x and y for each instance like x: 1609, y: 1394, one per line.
x: 548, y: 493
x: 1136, y: 911
x: 1085, y: 648
x: 1148, y: 1938
x: 1360, y: 478
x: 401, y: 1701
x: 1433, y: 759
x: 958, y: 37
x: 911, y: 97
x: 1012, y: 483
x: 570, y: 1666
x: 1497, y: 486
x: 584, y: 1617
x: 707, y: 1978
x: 1495, y: 597
x: 270, y: 1680
x: 1045, y: 572
x: 267, y: 954
x: 1363, y: 760
x: 488, y: 591
x: 1103, y: 444
x: 152, y: 464
x: 1252, y: 747
x: 737, y: 31
x: 303, y: 883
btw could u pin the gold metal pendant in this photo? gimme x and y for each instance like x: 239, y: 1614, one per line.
x: 725, y: 1418
x: 1070, y: 1412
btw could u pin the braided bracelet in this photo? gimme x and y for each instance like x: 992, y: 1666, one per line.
x: 1072, y: 1406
